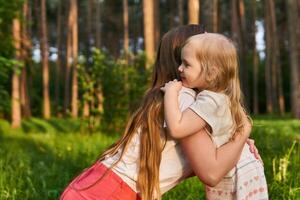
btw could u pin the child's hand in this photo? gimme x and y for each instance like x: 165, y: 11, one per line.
x: 174, y: 86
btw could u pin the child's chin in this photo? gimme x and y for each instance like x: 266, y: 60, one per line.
x: 186, y: 85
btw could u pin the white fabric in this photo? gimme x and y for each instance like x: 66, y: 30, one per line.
x: 214, y: 108
x: 246, y: 180
x: 173, y: 168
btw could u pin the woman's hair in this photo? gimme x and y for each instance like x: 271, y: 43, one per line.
x: 218, y: 60
x: 148, y: 119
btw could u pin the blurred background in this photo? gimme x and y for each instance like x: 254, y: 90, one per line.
x: 71, y: 72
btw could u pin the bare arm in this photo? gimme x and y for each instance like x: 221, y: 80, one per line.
x: 180, y: 124
x: 211, y: 164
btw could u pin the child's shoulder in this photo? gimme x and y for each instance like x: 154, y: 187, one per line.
x: 187, y: 91
x: 217, y: 98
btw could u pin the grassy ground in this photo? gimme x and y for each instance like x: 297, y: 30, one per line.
x: 37, y: 161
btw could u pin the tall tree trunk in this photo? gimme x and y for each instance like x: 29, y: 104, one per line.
x: 44, y: 50
x: 294, y: 43
x: 25, y: 55
x: 210, y: 15
x: 98, y: 24
x: 68, y: 63
x: 126, y: 26
x: 273, y: 61
x: 255, y: 63
x: 268, y: 70
x: 180, y: 11
x: 193, y: 11
x: 15, y: 101
x: 280, y: 98
x: 75, y: 58
x: 238, y: 34
x: 59, y: 58
x: 156, y: 24
x: 148, y: 11
x: 215, y: 16
x: 90, y: 37
x: 99, y: 92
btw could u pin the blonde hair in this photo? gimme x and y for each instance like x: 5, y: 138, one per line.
x: 218, y: 60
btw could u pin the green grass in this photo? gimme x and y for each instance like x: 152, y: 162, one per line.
x: 39, y: 159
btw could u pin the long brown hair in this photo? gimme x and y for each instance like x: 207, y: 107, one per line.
x: 148, y: 118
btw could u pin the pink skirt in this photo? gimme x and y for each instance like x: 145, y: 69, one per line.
x: 98, y: 183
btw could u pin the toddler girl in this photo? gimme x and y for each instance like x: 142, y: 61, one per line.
x: 210, y: 65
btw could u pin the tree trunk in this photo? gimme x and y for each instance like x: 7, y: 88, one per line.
x: 89, y: 26
x: 193, y: 11
x: 15, y: 101
x: 273, y: 61
x: 44, y: 51
x: 210, y: 15
x: 269, y: 102
x: 294, y: 43
x: 156, y: 24
x: 238, y: 35
x: 75, y: 58
x: 255, y: 62
x: 148, y: 6
x: 25, y: 55
x: 215, y: 16
x: 126, y: 26
x: 180, y: 11
x: 98, y: 25
x: 59, y: 58
x: 86, y: 109
x: 68, y: 63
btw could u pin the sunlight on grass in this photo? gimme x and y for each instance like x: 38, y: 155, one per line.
x: 38, y: 161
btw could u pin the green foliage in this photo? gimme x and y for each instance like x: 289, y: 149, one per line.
x: 6, y: 66
x: 7, y: 14
x: 122, y: 85
x: 8, y: 11
x: 39, y: 164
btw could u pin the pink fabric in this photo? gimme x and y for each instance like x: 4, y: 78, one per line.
x: 98, y: 183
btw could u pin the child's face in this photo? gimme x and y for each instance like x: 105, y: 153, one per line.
x: 190, y: 71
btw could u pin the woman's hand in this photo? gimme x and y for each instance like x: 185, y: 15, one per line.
x: 247, y: 125
x: 173, y: 86
x: 254, y: 150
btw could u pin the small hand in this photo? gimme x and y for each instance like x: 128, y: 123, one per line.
x: 254, y: 150
x: 172, y: 86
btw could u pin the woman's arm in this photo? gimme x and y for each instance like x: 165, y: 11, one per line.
x: 211, y: 164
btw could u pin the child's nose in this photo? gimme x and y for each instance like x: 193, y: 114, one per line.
x: 180, y: 68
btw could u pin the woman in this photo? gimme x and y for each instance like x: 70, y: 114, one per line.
x: 146, y: 162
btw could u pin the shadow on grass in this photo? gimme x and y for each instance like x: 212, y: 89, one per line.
x: 33, y: 125
x: 65, y: 125
x: 36, y: 125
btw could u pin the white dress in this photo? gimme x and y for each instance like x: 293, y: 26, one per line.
x: 246, y: 180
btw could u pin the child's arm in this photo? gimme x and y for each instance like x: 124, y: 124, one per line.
x: 211, y: 164
x: 180, y: 124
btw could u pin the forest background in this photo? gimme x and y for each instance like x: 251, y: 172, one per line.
x: 71, y: 72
